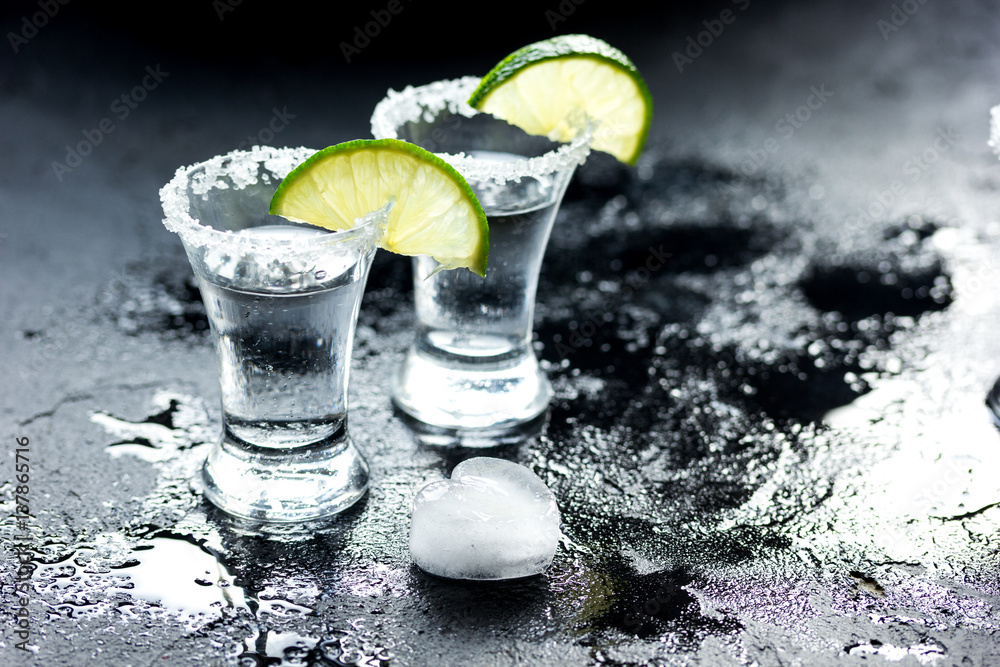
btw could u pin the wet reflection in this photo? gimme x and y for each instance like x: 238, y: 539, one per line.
x: 178, y: 574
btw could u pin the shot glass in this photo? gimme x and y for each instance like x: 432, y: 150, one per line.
x: 282, y: 301
x: 471, y: 370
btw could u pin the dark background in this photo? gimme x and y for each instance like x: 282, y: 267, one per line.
x: 251, y: 35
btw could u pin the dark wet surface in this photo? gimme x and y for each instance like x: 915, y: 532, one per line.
x: 769, y: 442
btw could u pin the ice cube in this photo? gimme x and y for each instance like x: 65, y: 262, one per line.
x: 492, y: 520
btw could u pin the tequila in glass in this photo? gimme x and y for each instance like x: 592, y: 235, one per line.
x: 282, y: 302
x: 471, y: 369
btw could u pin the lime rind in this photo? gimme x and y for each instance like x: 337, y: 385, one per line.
x: 315, y: 204
x: 581, y: 47
x: 556, y: 47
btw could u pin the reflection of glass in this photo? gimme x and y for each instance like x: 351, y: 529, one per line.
x: 282, y: 301
x: 471, y: 367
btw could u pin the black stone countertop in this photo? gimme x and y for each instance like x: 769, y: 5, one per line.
x: 769, y: 448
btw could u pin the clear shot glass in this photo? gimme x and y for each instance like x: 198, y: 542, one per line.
x: 282, y: 302
x: 471, y: 370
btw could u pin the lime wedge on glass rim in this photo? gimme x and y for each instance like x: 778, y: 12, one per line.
x: 542, y: 87
x: 435, y: 211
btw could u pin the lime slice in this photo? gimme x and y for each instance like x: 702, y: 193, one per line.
x: 435, y: 212
x: 542, y: 87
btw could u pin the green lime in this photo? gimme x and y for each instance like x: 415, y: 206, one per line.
x: 544, y: 86
x: 435, y: 211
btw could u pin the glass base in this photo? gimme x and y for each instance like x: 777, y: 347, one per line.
x: 993, y: 403
x: 471, y: 402
x: 484, y: 438
x: 282, y: 485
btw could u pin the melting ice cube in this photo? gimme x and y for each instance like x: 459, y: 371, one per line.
x: 492, y: 520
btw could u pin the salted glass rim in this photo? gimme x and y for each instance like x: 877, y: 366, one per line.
x: 241, y: 167
x: 416, y: 103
